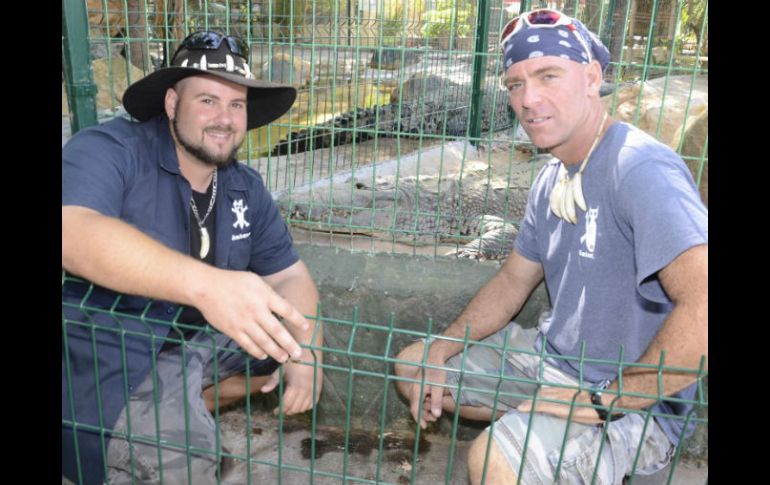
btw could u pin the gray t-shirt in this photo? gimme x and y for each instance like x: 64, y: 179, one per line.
x: 601, y: 273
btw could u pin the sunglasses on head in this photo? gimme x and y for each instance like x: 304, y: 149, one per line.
x: 212, y: 40
x: 544, y: 17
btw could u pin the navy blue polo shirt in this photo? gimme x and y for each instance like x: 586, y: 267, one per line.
x: 130, y: 171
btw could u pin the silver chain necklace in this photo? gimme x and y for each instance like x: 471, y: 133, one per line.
x: 205, y: 241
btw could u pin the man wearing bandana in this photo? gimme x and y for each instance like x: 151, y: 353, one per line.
x: 615, y: 227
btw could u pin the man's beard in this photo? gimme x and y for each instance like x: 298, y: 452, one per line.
x: 200, y: 152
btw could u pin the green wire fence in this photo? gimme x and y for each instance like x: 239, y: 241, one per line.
x: 360, y: 431
x: 401, y: 136
x: 401, y: 140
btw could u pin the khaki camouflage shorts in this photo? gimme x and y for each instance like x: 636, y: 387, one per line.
x: 546, y: 436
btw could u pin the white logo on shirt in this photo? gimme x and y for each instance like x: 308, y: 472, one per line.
x: 239, y: 209
x: 589, y: 238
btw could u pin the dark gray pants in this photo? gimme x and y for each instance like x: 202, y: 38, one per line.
x: 175, y: 439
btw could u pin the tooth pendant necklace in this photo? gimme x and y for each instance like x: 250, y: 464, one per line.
x: 568, y: 192
x: 205, y: 240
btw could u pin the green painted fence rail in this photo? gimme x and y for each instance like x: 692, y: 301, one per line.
x: 363, y: 356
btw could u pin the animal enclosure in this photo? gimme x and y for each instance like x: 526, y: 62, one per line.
x: 400, y: 153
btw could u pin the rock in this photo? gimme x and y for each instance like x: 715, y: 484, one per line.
x: 110, y: 77
x: 390, y: 59
x: 522, y: 141
x: 99, y: 49
x: 284, y: 69
x: 637, y: 53
x: 695, y: 134
x: 678, y: 89
x: 115, y: 71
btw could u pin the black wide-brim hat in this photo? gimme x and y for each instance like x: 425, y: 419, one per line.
x: 266, y: 101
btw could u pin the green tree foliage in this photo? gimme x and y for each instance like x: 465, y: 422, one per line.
x: 449, y: 17
x: 400, y: 18
x: 691, y: 24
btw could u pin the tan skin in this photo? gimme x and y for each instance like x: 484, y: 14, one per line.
x: 490, y: 310
x: 240, y: 304
x: 557, y: 102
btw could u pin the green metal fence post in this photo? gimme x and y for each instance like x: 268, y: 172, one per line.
x: 479, y: 67
x: 81, y: 89
x: 606, y: 33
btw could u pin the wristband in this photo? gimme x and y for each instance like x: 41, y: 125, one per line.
x: 596, y: 400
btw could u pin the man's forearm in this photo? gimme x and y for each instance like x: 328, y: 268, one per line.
x: 114, y: 254
x: 494, y: 305
x: 683, y: 336
x: 239, y: 304
x: 298, y: 288
x: 485, y: 314
x: 684, y: 339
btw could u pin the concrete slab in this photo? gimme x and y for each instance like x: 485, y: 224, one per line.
x: 359, y: 456
x: 261, y: 454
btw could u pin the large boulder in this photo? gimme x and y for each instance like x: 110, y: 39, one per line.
x: 111, y: 78
x: 662, y: 101
x: 115, y: 70
x: 659, y: 106
x: 693, y: 138
x: 637, y: 54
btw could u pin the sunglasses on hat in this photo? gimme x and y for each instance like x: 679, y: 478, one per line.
x: 204, y: 40
x: 544, y: 17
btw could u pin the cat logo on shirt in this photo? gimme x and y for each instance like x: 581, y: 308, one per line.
x: 239, y: 209
x: 589, y: 238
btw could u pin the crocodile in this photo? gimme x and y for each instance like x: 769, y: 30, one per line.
x: 495, y: 241
x: 423, y: 110
x: 410, y: 117
x: 448, y: 208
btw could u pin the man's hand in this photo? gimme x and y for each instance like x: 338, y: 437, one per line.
x: 245, y: 308
x: 582, y: 410
x: 298, y: 390
x: 433, y: 397
x: 240, y: 304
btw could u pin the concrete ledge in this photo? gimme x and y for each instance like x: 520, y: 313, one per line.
x: 414, y: 289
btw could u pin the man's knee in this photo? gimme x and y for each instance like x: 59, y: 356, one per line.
x: 411, y: 353
x: 498, y: 469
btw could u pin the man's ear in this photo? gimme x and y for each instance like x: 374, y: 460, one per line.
x: 594, y: 77
x: 169, y: 102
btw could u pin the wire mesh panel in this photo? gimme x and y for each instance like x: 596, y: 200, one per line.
x: 401, y: 139
x: 380, y: 143
x: 360, y: 431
